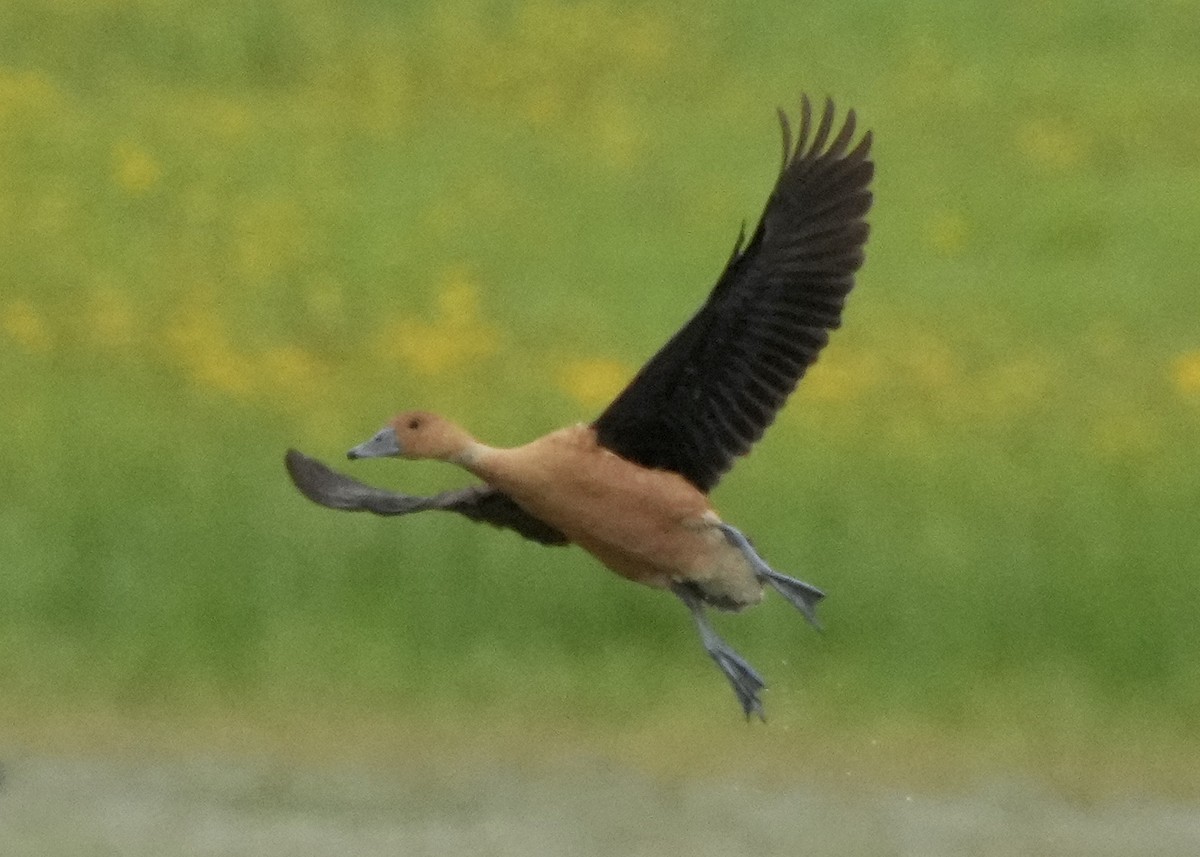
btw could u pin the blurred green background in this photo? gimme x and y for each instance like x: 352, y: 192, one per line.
x: 230, y: 228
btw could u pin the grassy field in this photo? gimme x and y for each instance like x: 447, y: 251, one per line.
x: 230, y: 229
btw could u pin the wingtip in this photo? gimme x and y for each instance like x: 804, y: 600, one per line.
x: 865, y: 142
x: 821, y: 137
x: 305, y: 473
x: 295, y: 460
x: 785, y: 127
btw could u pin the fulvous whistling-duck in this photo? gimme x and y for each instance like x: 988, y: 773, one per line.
x: 632, y: 487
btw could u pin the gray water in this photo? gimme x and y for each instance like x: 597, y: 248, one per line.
x: 96, y: 806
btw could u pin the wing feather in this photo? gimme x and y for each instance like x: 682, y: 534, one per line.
x: 477, y: 502
x: 709, y: 394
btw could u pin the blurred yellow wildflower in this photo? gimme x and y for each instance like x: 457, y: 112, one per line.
x: 842, y: 375
x: 1050, y: 143
x: 458, y: 298
x: 617, y: 137
x: 285, y: 377
x: 26, y: 90
x: 216, y: 115
x: 592, y: 381
x: 456, y: 336
x: 1185, y: 373
x: 134, y: 170
x: 198, y: 341
x: 24, y: 325
x: 649, y: 38
x: 539, y: 63
x: 542, y: 104
x: 946, y: 233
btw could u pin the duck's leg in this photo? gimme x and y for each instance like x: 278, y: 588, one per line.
x: 745, y: 681
x: 803, y: 596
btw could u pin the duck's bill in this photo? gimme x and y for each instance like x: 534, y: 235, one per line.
x: 382, y: 445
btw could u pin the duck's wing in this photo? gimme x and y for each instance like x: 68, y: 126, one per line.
x: 478, y: 502
x: 713, y: 389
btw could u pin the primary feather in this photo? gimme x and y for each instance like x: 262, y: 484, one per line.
x: 709, y: 394
x: 477, y: 502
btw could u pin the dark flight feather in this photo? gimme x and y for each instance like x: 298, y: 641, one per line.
x: 478, y: 502
x: 709, y: 394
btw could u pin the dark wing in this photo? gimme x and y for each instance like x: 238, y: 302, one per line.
x: 477, y: 502
x: 713, y: 389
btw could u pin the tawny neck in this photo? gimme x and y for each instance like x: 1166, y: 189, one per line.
x: 473, y: 456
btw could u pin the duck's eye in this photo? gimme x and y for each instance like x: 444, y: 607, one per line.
x: 414, y: 423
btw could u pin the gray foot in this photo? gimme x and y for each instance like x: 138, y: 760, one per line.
x: 803, y: 596
x: 746, y: 682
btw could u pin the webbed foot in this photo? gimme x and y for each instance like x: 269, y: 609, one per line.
x: 803, y: 596
x: 743, y: 678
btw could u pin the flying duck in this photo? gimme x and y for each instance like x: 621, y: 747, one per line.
x: 632, y: 488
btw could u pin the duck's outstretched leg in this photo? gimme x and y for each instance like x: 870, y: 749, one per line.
x: 745, y: 681
x: 803, y: 596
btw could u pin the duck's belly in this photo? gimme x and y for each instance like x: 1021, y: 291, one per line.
x: 639, y: 526
x: 650, y: 526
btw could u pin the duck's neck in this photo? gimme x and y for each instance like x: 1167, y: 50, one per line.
x: 473, y: 457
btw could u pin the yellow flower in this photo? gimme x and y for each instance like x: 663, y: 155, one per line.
x: 1050, y: 143
x: 592, y: 381
x: 27, y: 90
x: 458, y: 298
x: 202, y: 347
x: 23, y: 324
x: 455, y: 337
x: 1186, y: 373
x: 946, y: 233
x: 616, y: 137
x: 542, y: 105
x: 134, y: 170
x: 843, y: 376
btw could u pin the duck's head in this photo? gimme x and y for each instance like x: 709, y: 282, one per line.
x: 416, y: 434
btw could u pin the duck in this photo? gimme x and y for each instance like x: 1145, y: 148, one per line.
x: 632, y: 488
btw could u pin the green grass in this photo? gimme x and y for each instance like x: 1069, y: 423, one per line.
x: 225, y: 232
